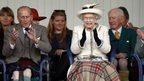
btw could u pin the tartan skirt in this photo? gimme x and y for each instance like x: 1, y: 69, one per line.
x: 92, y: 71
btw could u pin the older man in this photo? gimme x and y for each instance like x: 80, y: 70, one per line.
x: 23, y: 43
x: 122, y: 41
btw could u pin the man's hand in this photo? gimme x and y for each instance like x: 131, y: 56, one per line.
x: 31, y: 33
x: 14, y: 35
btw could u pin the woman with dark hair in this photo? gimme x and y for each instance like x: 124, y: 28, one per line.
x: 126, y: 22
x: 6, y: 17
x: 126, y: 15
x: 60, y: 39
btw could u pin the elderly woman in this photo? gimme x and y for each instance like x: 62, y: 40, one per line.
x: 90, y: 42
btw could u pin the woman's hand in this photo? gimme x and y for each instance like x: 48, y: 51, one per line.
x: 121, y: 55
x: 59, y: 52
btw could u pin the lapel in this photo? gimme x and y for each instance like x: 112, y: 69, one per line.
x: 21, y: 33
x: 123, y: 35
x: 113, y: 40
x: 36, y: 30
x: 112, y: 36
x: 37, y: 33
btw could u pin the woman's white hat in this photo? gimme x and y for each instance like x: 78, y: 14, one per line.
x: 90, y: 8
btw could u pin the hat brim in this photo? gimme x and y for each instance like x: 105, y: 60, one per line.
x: 39, y: 18
x: 98, y: 12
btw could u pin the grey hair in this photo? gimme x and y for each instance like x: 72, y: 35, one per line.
x: 117, y: 11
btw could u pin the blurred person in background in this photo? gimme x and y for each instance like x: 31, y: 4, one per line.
x: 36, y: 17
x: 6, y: 20
x: 6, y: 17
x: 126, y: 18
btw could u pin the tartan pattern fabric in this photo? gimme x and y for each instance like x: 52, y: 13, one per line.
x: 24, y: 63
x: 92, y: 71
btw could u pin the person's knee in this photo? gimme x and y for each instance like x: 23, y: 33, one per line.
x: 27, y: 72
x: 15, y: 75
x: 123, y: 63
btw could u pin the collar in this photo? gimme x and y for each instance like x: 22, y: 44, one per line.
x: 24, y: 28
x: 119, y: 30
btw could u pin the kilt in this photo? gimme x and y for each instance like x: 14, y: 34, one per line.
x: 92, y: 71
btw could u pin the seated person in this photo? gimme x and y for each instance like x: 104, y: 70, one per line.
x: 23, y: 43
x: 122, y: 41
x: 139, y: 48
x: 90, y: 44
x: 60, y: 40
x: 6, y: 20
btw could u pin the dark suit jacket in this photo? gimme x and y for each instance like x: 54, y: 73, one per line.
x: 126, y: 43
x: 13, y: 55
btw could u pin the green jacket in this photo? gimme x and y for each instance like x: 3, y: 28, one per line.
x: 126, y: 42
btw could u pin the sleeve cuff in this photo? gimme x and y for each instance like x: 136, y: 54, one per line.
x: 12, y: 46
x: 37, y: 42
x: 100, y: 44
x: 80, y: 45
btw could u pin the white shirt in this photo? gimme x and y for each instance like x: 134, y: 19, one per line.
x: 119, y: 30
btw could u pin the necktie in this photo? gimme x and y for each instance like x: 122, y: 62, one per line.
x: 117, y: 35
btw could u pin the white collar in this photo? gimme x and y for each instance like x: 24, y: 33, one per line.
x: 25, y: 30
x: 119, y: 30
